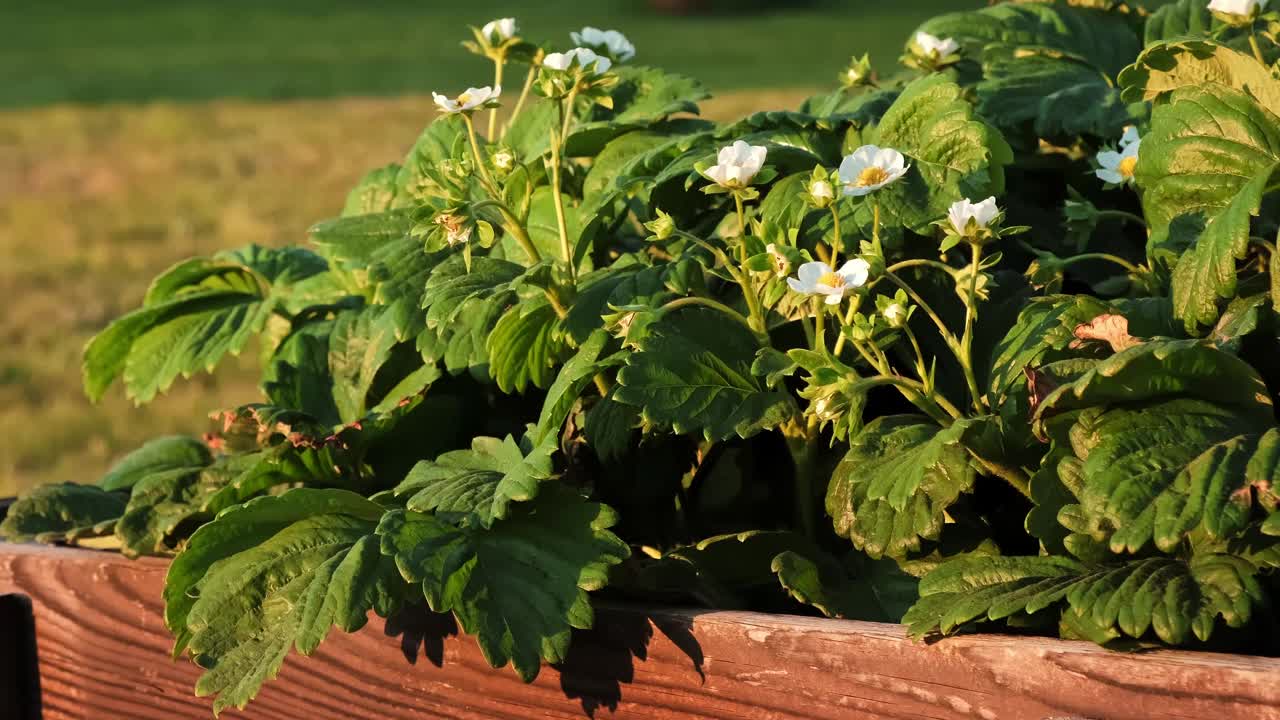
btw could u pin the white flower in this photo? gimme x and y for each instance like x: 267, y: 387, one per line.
x: 456, y: 229
x: 467, y: 101
x: 935, y: 48
x: 781, y: 265
x: 611, y: 41
x: 504, y: 160
x: 1236, y: 7
x: 896, y: 315
x: 1129, y: 137
x: 586, y: 59
x: 817, y: 278
x: 870, y: 168
x: 1117, y: 167
x: 737, y: 164
x: 962, y: 211
x: 500, y: 30
x: 822, y: 190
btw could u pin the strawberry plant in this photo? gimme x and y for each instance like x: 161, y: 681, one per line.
x: 988, y: 342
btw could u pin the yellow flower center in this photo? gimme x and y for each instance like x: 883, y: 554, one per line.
x: 831, y: 280
x: 871, y: 176
x: 464, y: 98
x: 1126, y: 166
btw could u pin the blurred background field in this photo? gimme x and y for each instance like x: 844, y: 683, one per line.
x: 137, y: 133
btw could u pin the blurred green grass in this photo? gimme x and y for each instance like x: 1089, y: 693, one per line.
x: 91, y: 51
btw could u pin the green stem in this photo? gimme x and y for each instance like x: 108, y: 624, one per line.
x: 742, y: 228
x: 804, y: 456
x: 1016, y: 478
x: 515, y: 227
x: 524, y: 93
x: 848, y: 320
x: 754, y: 309
x: 1101, y: 256
x: 921, y: 370
x: 921, y: 262
x: 705, y: 302
x: 498, y: 63
x: 566, y: 113
x: 566, y: 251
x: 482, y: 167
x: 935, y: 405
x: 946, y: 333
x: 1122, y: 215
x: 820, y: 325
x: 875, y: 227
x: 1257, y: 51
x: 836, y: 239
x: 971, y: 315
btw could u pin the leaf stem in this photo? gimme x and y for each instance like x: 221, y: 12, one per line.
x: 705, y: 302
x: 515, y: 227
x: 499, y: 62
x: 1253, y: 44
x: 1122, y: 215
x: 835, y: 239
x: 1101, y: 256
x: 566, y: 251
x: 524, y: 94
x: 970, y: 315
x: 937, y: 407
x: 754, y: 309
x: 481, y: 166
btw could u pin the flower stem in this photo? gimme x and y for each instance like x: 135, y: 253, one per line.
x: 754, y: 309
x: 566, y: 251
x: 835, y: 239
x: 481, y: 166
x: 935, y: 405
x: 524, y: 94
x: 1101, y: 256
x: 705, y: 302
x: 1257, y: 51
x: 848, y: 319
x: 966, y: 341
x: 1122, y: 215
x: 921, y: 262
x: 566, y: 113
x: 921, y: 370
x: 875, y: 227
x: 742, y: 228
x: 514, y: 227
x: 820, y: 326
x: 498, y: 63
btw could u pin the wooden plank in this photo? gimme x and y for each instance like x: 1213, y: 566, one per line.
x: 104, y: 653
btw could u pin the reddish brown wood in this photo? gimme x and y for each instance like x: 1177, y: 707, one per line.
x: 104, y: 654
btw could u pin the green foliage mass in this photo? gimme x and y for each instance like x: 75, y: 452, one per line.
x: 599, y: 344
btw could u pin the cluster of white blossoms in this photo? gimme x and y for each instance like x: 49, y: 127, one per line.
x: 610, y: 42
x: 599, y: 50
x: 1116, y: 167
x: 1237, y: 7
x: 584, y: 58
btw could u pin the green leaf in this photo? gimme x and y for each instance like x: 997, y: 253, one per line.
x: 65, y: 511
x: 525, y: 346
x: 159, y: 455
x: 1104, y: 39
x: 193, y: 314
x: 477, y: 486
x: 241, y: 528
x: 1171, y: 597
x: 359, y: 345
x: 1164, y: 369
x: 642, y: 96
x: 891, y: 491
x: 351, y: 240
x: 301, y: 577
x: 1211, y: 155
x: 693, y: 372
x: 953, y: 154
x: 838, y: 592
x: 434, y: 145
x: 573, y: 378
x: 1166, y: 67
x: 375, y: 193
x: 1044, y: 330
x: 1061, y: 96
x: 520, y: 586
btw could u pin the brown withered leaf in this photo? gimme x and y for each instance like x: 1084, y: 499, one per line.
x: 1109, y: 328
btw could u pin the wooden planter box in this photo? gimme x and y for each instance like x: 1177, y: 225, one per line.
x: 103, y: 653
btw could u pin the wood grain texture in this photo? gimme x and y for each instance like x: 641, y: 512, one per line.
x: 104, y: 654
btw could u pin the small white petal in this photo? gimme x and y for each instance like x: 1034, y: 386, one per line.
x: 811, y: 271
x: 855, y: 272
x: 1111, y: 176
